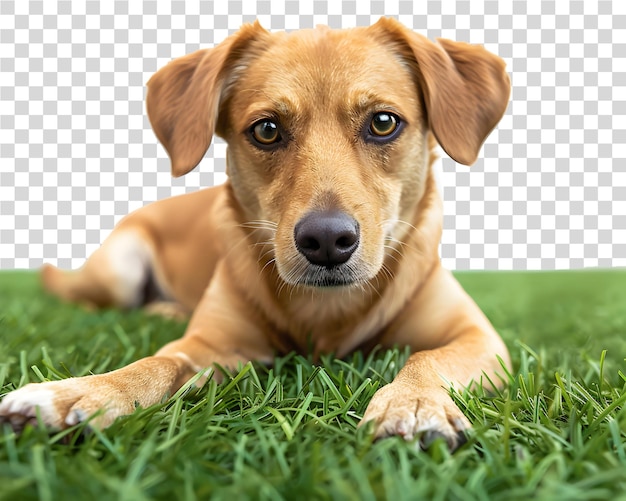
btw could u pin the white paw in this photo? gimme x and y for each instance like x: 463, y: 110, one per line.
x: 401, y: 410
x: 20, y: 407
x: 60, y: 404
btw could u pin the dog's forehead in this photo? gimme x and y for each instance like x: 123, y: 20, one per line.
x: 328, y: 56
x: 312, y: 68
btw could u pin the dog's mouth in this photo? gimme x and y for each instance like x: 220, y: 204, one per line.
x: 322, y: 277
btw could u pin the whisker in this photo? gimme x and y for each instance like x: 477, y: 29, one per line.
x: 270, y: 262
x: 397, y: 221
x: 402, y: 244
x: 260, y: 223
x: 386, y: 271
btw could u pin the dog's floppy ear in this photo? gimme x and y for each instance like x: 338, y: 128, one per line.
x: 184, y: 96
x: 464, y: 87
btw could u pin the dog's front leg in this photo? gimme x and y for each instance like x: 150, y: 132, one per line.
x: 218, y: 333
x: 455, y: 345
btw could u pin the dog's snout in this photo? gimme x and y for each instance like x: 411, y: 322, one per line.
x: 327, y: 238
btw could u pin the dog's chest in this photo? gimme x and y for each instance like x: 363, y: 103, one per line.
x: 332, y: 322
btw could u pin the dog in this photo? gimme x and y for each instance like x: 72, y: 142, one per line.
x: 325, y: 236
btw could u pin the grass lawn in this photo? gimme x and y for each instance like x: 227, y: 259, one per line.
x: 557, y: 432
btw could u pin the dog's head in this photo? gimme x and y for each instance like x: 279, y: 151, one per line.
x: 328, y: 132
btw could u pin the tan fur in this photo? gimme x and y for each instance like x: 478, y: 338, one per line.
x: 227, y: 254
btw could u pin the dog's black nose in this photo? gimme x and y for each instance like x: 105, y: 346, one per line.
x: 327, y: 238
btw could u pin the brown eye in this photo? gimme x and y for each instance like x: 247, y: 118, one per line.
x: 265, y: 132
x: 383, y: 124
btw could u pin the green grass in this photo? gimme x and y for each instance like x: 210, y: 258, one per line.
x: 557, y: 432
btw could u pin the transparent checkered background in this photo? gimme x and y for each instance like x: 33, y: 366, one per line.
x: 77, y: 151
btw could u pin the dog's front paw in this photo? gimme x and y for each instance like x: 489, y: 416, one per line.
x: 398, y: 409
x: 61, y: 404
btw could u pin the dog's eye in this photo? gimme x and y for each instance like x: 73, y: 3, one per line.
x: 383, y: 124
x: 265, y: 132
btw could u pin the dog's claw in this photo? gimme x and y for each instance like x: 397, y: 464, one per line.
x: 76, y: 416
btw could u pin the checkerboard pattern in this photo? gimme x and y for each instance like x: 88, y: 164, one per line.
x: 77, y: 152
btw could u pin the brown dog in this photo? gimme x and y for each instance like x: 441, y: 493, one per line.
x: 326, y: 234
